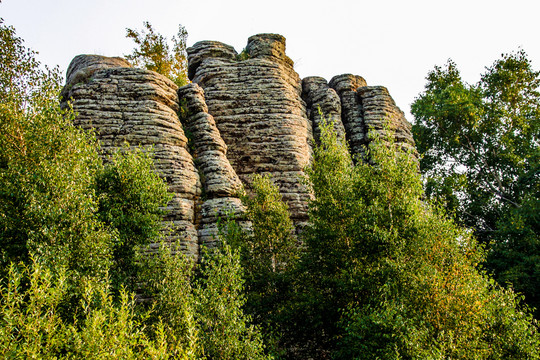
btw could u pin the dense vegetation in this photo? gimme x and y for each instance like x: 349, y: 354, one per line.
x: 481, y: 158
x: 72, y: 229
x: 378, y: 272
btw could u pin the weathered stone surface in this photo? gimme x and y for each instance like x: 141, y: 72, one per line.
x: 247, y: 114
x: 351, y: 112
x: 208, y: 49
x: 219, y: 180
x: 380, y: 113
x: 269, y: 46
x: 258, y: 109
x: 322, y: 103
x: 124, y: 104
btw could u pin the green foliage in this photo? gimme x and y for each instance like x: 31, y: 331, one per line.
x: 243, y: 55
x: 47, y: 170
x: 167, y: 279
x: 268, y: 254
x: 153, y: 53
x: 225, y: 330
x: 480, y: 156
x: 32, y: 327
x: 131, y: 198
x: 68, y: 221
x: 385, y: 275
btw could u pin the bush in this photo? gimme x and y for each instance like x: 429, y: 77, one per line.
x: 386, y: 275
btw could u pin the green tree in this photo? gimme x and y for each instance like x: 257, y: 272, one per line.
x: 67, y: 221
x: 480, y: 156
x: 226, y: 332
x: 385, y: 275
x: 153, y: 53
x: 131, y: 198
x: 47, y: 171
x: 269, y: 253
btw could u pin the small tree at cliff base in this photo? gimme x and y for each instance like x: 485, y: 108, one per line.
x: 268, y: 253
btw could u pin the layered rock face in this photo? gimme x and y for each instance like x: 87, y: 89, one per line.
x: 220, y: 182
x: 123, y: 104
x: 247, y: 114
x: 259, y: 111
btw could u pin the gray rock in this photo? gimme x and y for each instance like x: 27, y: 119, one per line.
x: 381, y: 114
x: 351, y: 110
x: 220, y: 182
x: 322, y: 103
x: 257, y: 107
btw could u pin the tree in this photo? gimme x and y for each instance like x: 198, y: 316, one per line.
x: 56, y: 299
x: 59, y: 203
x: 480, y: 156
x: 269, y: 253
x: 67, y: 221
x: 386, y: 275
x: 153, y: 53
x: 226, y: 332
x: 131, y: 197
x: 47, y: 171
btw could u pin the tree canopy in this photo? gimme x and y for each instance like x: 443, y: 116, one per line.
x: 72, y: 234
x: 154, y: 53
x: 480, y: 156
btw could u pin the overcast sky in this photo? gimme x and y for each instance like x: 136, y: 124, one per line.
x: 389, y: 42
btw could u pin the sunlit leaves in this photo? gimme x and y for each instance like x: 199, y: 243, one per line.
x: 154, y: 53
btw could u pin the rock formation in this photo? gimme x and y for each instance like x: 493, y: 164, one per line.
x: 246, y: 114
x: 258, y: 108
x: 123, y: 104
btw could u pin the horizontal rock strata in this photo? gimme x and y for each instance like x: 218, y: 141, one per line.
x: 323, y: 103
x: 245, y: 114
x: 124, y: 104
x: 258, y: 109
x: 380, y: 114
x: 219, y: 180
x: 351, y: 110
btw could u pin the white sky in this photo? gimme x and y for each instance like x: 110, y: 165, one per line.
x: 389, y: 42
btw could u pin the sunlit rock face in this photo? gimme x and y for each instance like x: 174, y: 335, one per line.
x: 220, y: 182
x: 245, y: 114
x: 258, y: 108
x: 123, y: 104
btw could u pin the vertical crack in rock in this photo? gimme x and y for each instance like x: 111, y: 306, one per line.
x: 219, y: 180
x: 123, y: 104
x: 351, y: 110
x: 258, y: 109
x: 322, y: 102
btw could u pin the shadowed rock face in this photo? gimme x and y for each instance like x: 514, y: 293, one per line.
x: 323, y: 103
x: 246, y: 114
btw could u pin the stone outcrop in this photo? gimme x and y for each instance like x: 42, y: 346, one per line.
x: 219, y: 181
x: 259, y: 111
x: 124, y: 104
x: 323, y: 103
x: 244, y: 113
x: 379, y: 113
x: 351, y: 110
